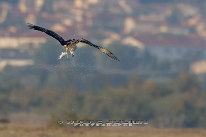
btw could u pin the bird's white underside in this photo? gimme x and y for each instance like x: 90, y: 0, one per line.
x: 71, y: 43
x: 71, y: 49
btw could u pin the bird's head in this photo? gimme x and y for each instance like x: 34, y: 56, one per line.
x: 68, y: 41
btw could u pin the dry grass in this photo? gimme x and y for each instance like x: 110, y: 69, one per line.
x: 9, y: 130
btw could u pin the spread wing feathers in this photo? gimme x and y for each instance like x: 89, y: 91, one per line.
x: 107, y: 52
x: 49, y: 32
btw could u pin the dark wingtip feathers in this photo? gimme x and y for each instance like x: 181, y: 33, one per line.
x: 31, y: 26
x: 105, y: 51
x: 108, y: 53
x: 115, y: 58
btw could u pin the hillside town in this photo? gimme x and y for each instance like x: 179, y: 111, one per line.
x: 169, y: 30
x: 160, y: 78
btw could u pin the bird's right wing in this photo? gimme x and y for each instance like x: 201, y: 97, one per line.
x: 105, y: 51
x: 49, y: 32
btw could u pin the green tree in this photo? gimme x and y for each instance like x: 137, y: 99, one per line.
x: 175, y: 16
x: 128, y: 57
x: 48, y: 53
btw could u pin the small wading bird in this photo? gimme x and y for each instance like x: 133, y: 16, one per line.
x: 70, y: 44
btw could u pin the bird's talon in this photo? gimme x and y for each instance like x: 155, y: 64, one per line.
x: 71, y: 43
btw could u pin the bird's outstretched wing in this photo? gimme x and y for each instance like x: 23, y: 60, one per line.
x: 49, y: 32
x: 107, y: 52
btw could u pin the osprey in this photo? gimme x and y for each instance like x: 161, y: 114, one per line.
x: 71, y: 44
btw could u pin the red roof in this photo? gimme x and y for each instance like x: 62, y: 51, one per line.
x: 189, y: 41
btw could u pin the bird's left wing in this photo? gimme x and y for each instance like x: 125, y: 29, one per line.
x: 49, y: 32
x: 105, y: 51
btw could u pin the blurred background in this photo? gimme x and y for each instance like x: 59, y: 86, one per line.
x: 161, y: 75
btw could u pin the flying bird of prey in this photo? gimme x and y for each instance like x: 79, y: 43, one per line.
x: 71, y: 44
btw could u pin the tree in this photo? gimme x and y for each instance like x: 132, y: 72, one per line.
x: 48, y: 53
x: 85, y: 57
x: 175, y: 16
x: 128, y: 56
